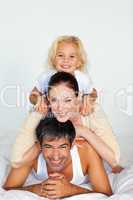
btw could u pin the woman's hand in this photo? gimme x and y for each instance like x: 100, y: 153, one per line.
x: 81, y: 130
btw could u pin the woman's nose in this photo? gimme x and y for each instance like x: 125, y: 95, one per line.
x: 60, y: 106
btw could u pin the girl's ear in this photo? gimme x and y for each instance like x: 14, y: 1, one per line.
x: 79, y: 64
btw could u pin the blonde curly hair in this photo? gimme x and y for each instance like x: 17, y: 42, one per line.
x: 67, y: 39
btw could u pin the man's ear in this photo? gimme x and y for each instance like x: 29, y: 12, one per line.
x: 38, y: 145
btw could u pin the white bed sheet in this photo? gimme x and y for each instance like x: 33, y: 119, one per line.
x: 122, y: 186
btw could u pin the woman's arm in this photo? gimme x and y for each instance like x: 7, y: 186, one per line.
x: 101, y: 136
x: 103, y: 149
x: 25, y: 140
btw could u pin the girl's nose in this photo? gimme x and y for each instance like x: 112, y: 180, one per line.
x: 66, y: 59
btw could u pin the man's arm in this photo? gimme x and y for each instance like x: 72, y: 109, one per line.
x: 96, y: 172
x: 51, y: 188
x: 17, y: 177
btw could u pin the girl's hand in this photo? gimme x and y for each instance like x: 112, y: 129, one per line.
x: 42, y: 105
x: 87, y: 106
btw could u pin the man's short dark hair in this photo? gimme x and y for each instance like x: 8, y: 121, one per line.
x: 51, y: 129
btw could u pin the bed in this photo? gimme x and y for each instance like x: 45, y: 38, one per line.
x: 122, y: 183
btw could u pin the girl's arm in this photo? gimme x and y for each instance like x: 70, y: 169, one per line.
x: 40, y: 101
x: 88, y: 102
x: 35, y: 94
x: 93, y: 95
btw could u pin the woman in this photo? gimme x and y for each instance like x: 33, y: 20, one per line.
x: 64, y: 101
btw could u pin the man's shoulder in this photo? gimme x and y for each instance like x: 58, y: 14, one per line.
x: 83, y: 147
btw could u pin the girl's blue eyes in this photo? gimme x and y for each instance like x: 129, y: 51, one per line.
x: 60, y: 55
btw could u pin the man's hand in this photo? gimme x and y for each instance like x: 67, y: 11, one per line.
x: 37, y: 189
x: 57, y: 186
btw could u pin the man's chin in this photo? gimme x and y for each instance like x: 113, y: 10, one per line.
x: 56, y: 169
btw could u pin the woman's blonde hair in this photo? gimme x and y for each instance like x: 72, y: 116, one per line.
x: 67, y: 39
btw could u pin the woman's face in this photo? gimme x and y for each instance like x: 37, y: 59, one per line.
x: 63, y: 102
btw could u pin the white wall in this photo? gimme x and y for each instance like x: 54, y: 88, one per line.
x: 27, y: 29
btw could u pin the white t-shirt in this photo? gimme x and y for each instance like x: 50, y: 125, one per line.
x: 84, y: 81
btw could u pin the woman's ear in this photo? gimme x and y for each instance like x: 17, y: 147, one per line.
x: 73, y: 143
x: 80, y: 94
x: 79, y: 99
x: 47, y: 97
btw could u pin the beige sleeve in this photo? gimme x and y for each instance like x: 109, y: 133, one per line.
x: 25, y: 138
x: 98, y: 122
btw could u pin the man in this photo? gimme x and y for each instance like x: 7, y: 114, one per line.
x: 61, y: 172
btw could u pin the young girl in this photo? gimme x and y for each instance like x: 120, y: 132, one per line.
x: 67, y: 54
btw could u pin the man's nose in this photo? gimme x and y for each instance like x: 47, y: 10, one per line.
x: 56, y: 154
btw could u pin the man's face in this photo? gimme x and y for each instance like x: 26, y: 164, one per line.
x: 56, y: 153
